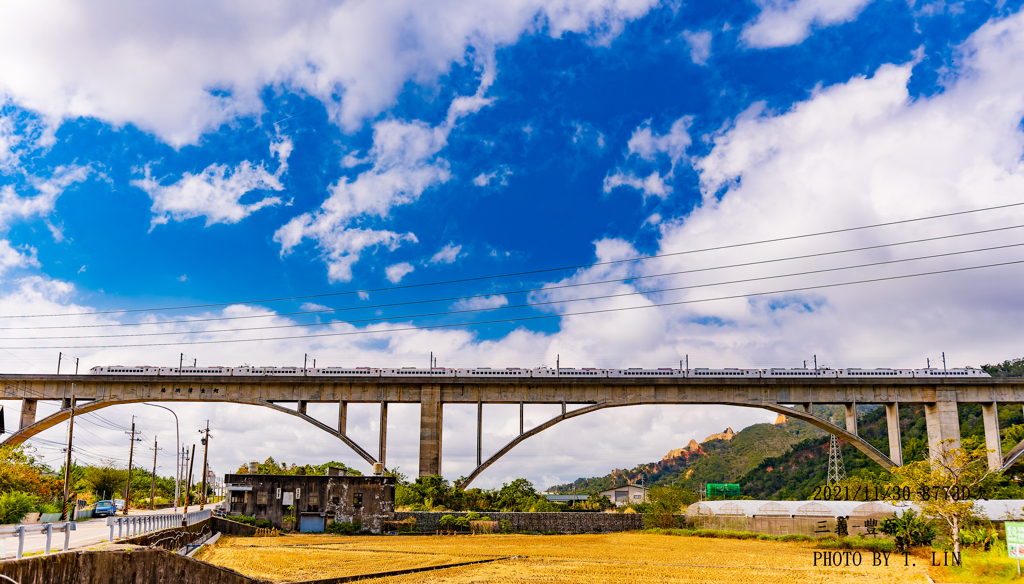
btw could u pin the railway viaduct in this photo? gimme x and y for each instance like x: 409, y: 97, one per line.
x: 939, y: 397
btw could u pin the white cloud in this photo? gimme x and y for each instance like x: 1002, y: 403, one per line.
x: 405, y: 163
x: 82, y: 269
x: 180, y: 70
x: 20, y: 257
x: 396, y: 272
x: 447, y: 255
x: 216, y: 192
x: 782, y: 23
x: 481, y: 303
x: 182, y: 278
x: 501, y: 173
x: 647, y: 145
x: 586, y: 135
x: 700, y: 45
x: 310, y: 306
x: 653, y: 185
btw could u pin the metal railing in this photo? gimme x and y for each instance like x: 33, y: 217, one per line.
x: 20, y: 531
x: 141, y: 524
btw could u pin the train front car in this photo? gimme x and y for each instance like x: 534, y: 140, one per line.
x: 957, y: 372
x: 798, y: 373
x: 743, y: 373
x: 640, y: 372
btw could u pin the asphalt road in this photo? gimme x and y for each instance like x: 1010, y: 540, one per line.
x: 87, y: 533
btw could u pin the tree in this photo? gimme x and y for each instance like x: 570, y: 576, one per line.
x: 20, y: 470
x: 519, y: 495
x: 944, y: 485
x: 107, y: 481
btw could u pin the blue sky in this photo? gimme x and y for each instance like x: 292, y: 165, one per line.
x: 213, y: 155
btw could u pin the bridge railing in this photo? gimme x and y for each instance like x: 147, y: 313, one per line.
x: 20, y: 531
x: 141, y: 524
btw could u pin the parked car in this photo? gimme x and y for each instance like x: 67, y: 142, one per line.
x: 220, y: 512
x: 104, y: 509
x: 119, y: 504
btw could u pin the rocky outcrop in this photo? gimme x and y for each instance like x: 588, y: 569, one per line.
x: 727, y: 435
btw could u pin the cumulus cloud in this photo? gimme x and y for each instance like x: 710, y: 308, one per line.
x: 216, y: 192
x: 653, y: 185
x: 700, y: 45
x: 481, y: 303
x: 782, y: 23
x: 405, y: 163
x: 648, y: 146
x: 447, y: 255
x: 396, y: 272
x: 179, y: 71
x: 501, y: 174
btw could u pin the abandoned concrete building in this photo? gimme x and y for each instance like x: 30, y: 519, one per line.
x: 318, y: 500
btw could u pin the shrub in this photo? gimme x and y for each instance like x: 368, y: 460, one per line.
x: 48, y: 508
x: 14, y: 505
x: 263, y: 523
x: 506, y: 526
x: 447, y: 522
x: 246, y: 519
x: 344, y: 528
x: 909, y: 530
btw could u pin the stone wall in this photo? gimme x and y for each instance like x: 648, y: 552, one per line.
x: 428, y: 521
x: 139, y: 566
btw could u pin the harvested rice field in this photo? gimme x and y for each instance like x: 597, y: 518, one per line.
x: 590, y: 559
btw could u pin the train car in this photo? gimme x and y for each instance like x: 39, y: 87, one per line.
x: 265, y: 371
x: 958, y: 372
x: 703, y: 372
x: 347, y: 372
x: 585, y: 372
x: 543, y: 372
x: 639, y: 372
x: 417, y: 372
x: 126, y: 370
x: 198, y: 371
x: 801, y: 373
x: 488, y: 372
x: 874, y: 373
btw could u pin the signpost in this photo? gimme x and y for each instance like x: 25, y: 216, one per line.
x: 1015, y: 541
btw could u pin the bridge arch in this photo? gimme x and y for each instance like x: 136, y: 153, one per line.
x: 62, y: 415
x: 854, y: 440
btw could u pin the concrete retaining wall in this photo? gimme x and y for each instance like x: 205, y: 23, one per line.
x: 539, y: 522
x: 228, y: 527
x: 171, y: 538
x: 140, y: 566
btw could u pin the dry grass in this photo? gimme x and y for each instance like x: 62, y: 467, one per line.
x: 589, y: 559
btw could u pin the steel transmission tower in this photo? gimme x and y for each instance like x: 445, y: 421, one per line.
x: 836, y: 470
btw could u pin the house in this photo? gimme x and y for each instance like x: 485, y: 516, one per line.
x: 626, y: 494
x: 318, y: 500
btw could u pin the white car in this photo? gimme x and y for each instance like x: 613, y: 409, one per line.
x: 119, y: 504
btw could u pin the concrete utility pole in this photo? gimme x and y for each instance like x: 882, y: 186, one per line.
x: 188, y: 481
x: 152, y: 484
x: 64, y: 514
x: 206, y: 448
x: 131, y: 452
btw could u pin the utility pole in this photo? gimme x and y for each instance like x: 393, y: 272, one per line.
x: 64, y: 516
x: 76, y: 365
x: 188, y: 482
x: 152, y: 484
x: 131, y: 452
x: 206, y: 448
x: 943, y: 361
x: 181, y: 360
x: 59, y: 357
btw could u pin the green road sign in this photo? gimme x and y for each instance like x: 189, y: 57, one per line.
x: 1015, y: 539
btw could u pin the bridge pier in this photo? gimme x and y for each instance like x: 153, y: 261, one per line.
x: 431, y: 421
x: 383, y: 432
x: 892, y: 420
x: 342, y: 417
x: 851, y: 418
x: 943, y: 423
x: 28, y: 413
x: 479, y: 430
x: 990, y: 415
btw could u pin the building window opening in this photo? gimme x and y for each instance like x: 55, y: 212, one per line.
x: 357, y: 500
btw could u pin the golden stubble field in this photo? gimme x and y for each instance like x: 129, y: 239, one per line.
x: 589, y: 559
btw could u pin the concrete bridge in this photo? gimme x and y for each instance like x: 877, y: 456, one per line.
x: 939, y: 397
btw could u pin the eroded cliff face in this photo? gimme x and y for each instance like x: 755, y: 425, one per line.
x: 727, y: 435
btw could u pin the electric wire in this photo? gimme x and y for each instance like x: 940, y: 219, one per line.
x: 512, y: 306
x: 529, y: 272
x: 523, y: 291
x: 532, y: 318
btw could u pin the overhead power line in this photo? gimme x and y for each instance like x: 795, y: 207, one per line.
x: 511, y: 306
x: 530, y: 318
x: 507, y: 292
x: 528, y: 272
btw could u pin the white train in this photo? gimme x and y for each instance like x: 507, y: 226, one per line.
x: 585, y: 373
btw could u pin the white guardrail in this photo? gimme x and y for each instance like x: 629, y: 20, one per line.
x: 48, y: 528
x: 141, y: 524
